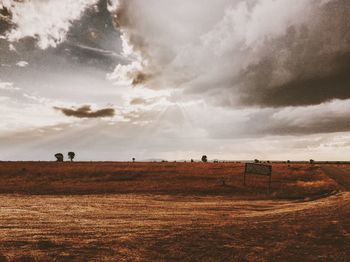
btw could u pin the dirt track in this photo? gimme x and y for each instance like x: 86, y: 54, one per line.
x: 135, y: 227
x: 341, y: 174
x: 138, y: 227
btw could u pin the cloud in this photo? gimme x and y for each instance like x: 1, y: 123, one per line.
x: 22, y: 64
x: 21, y: 109
x: 138, y: 101
x: 257, y: 53
x: 307, y: 65
x: 7, y: 86
x: 234, y: 79
x: 300, y: 121
x: 142, y: 101
x: 120, y: 142
x: 87, y: 112
x: 46, y: 21
x: 255, y: 123
x: 5, y: 18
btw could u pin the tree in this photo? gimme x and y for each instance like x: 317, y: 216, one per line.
x: 192, y: 160
x: 256, y: 161
x: 312, y: 161
x: 71, y: 156
x: 204, y: 158
x: 59, y: 157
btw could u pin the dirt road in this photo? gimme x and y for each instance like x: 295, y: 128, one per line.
x: 151, y: 227
x: 341, y: 174
x: 159, y: 228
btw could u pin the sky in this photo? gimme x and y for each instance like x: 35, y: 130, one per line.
x: 165, y: 79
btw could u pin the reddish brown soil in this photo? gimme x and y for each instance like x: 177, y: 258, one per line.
x: 294, y: 181
x: 171, y: 216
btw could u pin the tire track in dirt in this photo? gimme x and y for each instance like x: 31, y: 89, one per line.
x: 340, y: 174
x: 49, y: 226
x: 55, y: 224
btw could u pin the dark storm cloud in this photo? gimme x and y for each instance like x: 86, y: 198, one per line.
x: 298, y: 125
x: 86, y: 112
x: 5, y: 25
x: 316, y: 63
x: 5, y: 20
x: 326, y: 118
x: 301, y: 57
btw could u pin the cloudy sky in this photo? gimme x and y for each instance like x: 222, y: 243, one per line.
x: 165, y: 79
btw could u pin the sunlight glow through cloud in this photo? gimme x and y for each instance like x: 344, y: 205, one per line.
x: 232, y: 79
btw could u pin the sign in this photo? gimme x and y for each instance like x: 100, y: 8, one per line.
x: 258, y: 169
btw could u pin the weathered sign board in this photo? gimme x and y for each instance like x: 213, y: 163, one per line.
x: 258, y: 169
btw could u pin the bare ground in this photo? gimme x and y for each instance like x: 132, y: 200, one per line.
x: 161, y: 227
x: 340, y: 173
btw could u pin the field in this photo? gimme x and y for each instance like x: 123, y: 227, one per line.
x: 198, y: 179
x: 172, y: 212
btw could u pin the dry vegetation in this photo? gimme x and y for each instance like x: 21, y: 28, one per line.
x: 293, y: 181
x: 170, y: 212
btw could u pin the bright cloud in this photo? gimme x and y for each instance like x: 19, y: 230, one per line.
x: 234, y: 79
x: 46, y: 21
x: 254, y: 53
x: 22, y: 63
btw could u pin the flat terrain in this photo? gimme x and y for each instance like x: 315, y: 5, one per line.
x: 172, y: 212
x: 339, y: 173
x: 197, y: 179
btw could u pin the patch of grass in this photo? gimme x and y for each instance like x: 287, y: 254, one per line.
x: 295, y: 181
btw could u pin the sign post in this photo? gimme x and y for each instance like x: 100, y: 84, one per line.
x: 258, y: 169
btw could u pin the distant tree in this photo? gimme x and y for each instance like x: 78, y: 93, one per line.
x: 312, y: 161
x: 133, y: 159
x: 192, y: 160
x: 288, y: 161
x: 59, y: 157
x: 256, y: 161
x: 204, y: 158
x: 71, y: 156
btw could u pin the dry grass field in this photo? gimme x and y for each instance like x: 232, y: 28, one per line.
x: 170, y: 178
x: 172, y: 212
